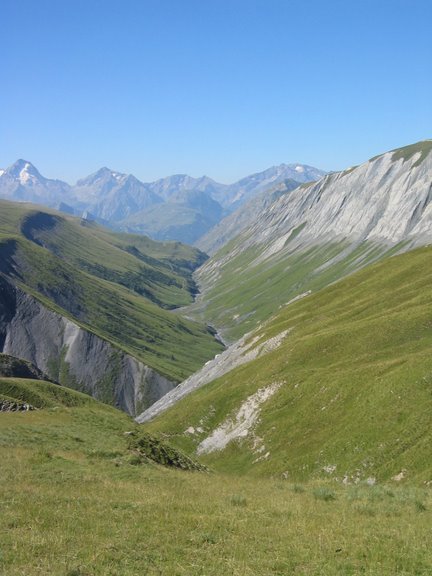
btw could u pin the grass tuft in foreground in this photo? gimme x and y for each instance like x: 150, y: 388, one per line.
x: 149, y: 448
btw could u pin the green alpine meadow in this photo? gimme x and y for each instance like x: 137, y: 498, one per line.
x: 134, y: 441
x: 119, y: 287
x: 79, y: 498
x: 351, y: 373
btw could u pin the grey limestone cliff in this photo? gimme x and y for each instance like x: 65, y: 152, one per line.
x: 385, y: 199
x: 250, y: 212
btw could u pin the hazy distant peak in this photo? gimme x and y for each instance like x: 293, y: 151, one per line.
x: 103, y: 173
x: 166, y: 187
x: 250, y: 186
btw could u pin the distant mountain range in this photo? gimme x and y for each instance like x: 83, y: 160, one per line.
x: 178, y: 207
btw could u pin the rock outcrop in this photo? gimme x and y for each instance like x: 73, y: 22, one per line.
x: 10, y: 406
x: 12, y: 367
x: 245, y: 216
x: 244, y: 350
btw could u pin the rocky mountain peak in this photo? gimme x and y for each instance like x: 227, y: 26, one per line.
x: 23, y: 171
x: 104, y: 174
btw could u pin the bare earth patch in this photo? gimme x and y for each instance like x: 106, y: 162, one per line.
x: 242, y: 424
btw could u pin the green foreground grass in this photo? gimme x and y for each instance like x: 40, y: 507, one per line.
x: 42, y: 394
x: 74, y: 502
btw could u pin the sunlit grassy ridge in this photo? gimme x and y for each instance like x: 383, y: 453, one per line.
x: 116, y: 286
x: 422, y: 148
x: 42, y: 394
x: 75, y: 501
x: 355, y: 370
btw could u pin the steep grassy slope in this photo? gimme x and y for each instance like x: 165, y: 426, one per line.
x: 351, y: 373
x: 421, y: 149
x: 159, y: 271
x: 41, y: 394
x: 76, y: 502
x: 113, y: 285
x: 248, y: 288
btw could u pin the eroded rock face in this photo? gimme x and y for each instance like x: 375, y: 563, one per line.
x: 387, y: 199
x: 73, y: 356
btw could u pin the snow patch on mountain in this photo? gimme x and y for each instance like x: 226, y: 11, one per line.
x: 26, y: 175
x: 125, y: 203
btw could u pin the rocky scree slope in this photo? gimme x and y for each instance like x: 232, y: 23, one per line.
x: 239, y: 353
x: 73, y: 356
x: 318, y: 233
x: 232, y: 225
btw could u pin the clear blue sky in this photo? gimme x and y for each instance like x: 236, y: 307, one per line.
x: 217, y: 87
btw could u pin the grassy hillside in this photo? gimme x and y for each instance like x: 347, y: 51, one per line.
x: 422, y: 148
x: 114, y: 285
x: 315, y: 235
x: 354, y: 372
x: 42, y: 394
x: 159, y: 271
x: 76, y: 502
x: 247, y: 287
